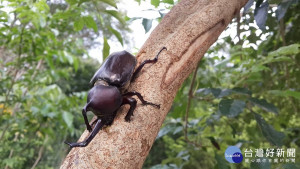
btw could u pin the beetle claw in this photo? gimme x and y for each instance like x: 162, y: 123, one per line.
x: 127, y: 119
x: 70, y: 144
x: 157, y: 105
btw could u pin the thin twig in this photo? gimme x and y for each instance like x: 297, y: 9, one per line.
x: 10, y: 155
x: 11, y: 151
x: 282, y: 31
x: 238, y: 28
x: 191, y: 95
x: 41, y: 150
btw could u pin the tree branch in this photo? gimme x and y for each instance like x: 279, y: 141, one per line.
x: 41, y: 150
x: 187, y: 31
x: 190, y: 96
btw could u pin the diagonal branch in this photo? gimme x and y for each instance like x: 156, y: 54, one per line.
x: 190, y: 96
x: 187, y: 31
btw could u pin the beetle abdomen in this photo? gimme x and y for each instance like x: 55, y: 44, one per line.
x: 117, y: 69
x: 104, y: 100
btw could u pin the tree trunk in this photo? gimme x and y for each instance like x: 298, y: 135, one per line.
x: 187, y: 31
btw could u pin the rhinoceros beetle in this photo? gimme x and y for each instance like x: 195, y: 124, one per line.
x: 109, y: 92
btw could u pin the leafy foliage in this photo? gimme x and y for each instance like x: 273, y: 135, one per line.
x: 147, y: 21
x: 45, y: 72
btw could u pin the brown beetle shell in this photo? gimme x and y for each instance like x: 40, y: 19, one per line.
x: 117, y: 69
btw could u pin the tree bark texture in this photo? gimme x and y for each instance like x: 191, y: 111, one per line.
x: 187, y: 31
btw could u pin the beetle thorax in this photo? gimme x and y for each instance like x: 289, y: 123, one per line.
x: 104, y: 100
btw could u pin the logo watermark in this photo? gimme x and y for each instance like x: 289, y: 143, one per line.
x: 233, y: 154
x: 270, y: 155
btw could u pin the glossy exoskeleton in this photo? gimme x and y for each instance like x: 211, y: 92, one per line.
x: 109, y: 92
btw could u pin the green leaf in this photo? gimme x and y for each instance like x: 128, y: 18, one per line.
x: 231, y: 108
x: 204, y: 91
x: 116, y: 33
x: 75, y: 63
x: 68, y: 118
x: 90, y: 23
x: 269, y: 132
x: 116, y: 15
x: 168, y: 2
x: 286, y: 50
x: 42, y: 21
x: 106, y: 48
x: 219, y: 93
x: 241, y: 90
x: 147, y: 23
x: 215, y: 91
x: 221, y: 162
x: 78, y: 24
x: 66, y: 14
x: 81, y: 2
x: 42, y: 6
x: 165, y: 130
x: 10, y: 162
x: 261, y: 14
x: 178, y: 129
x: 224, y: 92
x: 155, y: 3
x: 262, y: 103
x: 110, y: 2
x: 69, y: 57
x: 248, y: 5
x: 50, y: 63
x: 34, y: 110
x: 282, y: 8
x: 293, y: 94
x: 72, y: 2
x: 285, y: 93
x: 277, y: 59
x: 258, y: 68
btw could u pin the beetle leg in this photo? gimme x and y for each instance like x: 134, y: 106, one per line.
x: 88, y: 126
x: 132, y: 103
x: 96, y: 129
x: 141, y: 98
x: 110, y: 119
x: 138, y: 69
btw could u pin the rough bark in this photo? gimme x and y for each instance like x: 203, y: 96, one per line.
x: 187, y: 31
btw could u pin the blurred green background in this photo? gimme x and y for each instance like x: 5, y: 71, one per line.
x: 245, y: 91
